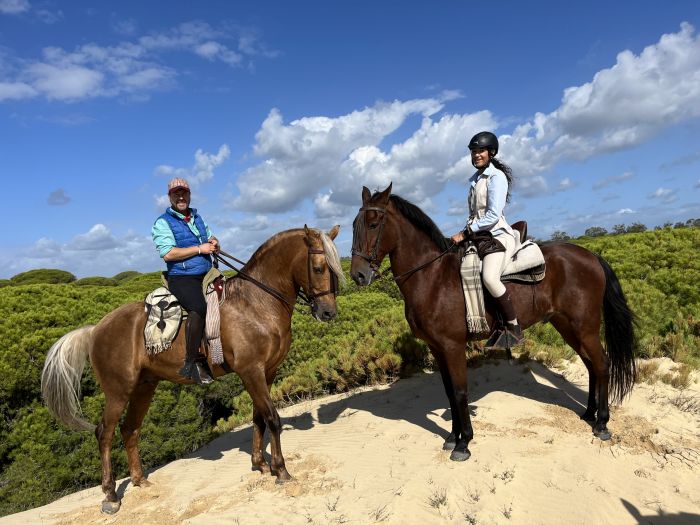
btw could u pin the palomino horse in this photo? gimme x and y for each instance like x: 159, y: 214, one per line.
x: 577, y: 287
x: 255, y: 335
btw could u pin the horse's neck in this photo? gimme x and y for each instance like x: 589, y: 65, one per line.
x: 413, y: 249
x: 274, y: 266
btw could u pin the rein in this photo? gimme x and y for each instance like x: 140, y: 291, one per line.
x: 371, y: 258
x: 306, y: 298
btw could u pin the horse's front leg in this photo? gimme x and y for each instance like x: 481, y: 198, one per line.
x: 256, y: 385
x: 451, y: 439
x: 139, y: 403
x: 456, y: 364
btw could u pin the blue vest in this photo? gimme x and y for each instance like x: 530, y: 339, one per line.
x: 184, y: 238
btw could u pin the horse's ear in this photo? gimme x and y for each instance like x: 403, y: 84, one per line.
x: 366, y: 194
x: 308, y: 236
x: 333, y: 233
x: 384, y: 196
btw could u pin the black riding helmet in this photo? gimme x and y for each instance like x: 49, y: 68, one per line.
x: 486, y: 140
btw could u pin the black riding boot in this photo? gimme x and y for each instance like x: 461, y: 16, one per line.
x: 510, y: 335
x: 195, y: 366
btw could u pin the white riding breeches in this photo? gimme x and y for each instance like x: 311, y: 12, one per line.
x: 493, y: 264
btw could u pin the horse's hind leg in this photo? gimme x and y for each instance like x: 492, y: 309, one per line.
x: 601, y: 367
x: 258, y: 458
x: 130, y: 429
x: 114, y: 407
x: 590, y: 349
x: 564, y: 328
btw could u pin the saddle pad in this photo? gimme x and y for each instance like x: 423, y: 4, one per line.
x: 163, y: 321
x: 527, y: 257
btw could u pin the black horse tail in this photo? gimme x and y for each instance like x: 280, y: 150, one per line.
x: 620, y: 338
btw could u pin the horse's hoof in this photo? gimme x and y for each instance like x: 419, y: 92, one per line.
x: 264, y: 469
x: 449, y: 445
x: 111, y: 507
x: 143, y: 483
x: 282, y: 479
x: 460, y: 455
x: 603, y: 435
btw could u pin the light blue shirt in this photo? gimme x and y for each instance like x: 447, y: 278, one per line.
x: 163, y: 236
x: 495, y: 198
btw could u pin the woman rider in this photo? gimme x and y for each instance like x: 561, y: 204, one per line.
x: 490, y: 190
x: 185, y: 243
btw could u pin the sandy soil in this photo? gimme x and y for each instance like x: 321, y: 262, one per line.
x: 375, y: 456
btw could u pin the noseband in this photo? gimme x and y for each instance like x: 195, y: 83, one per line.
x: 309, y: 297
x: 371, y: 257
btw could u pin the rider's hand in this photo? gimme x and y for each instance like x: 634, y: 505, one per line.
x: 215, y: 243
x: 457, y: 237
x: 206, y: 248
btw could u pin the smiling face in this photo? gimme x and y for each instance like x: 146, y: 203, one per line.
x: 180, y: 200
x: 480, y: 158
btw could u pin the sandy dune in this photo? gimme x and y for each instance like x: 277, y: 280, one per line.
x: 375, y: 456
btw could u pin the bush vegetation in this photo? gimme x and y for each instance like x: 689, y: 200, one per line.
x: 368, y: 342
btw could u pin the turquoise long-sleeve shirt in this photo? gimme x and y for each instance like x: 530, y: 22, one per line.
x: 163, y: 236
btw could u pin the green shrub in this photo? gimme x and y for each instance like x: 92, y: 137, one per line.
x: 96, y: 281
x: 43, y: 276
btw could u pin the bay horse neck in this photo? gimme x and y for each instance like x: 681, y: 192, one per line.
x: 412, y: 245
x: 280, y: 262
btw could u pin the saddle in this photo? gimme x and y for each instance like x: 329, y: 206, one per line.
x: 164, y: 316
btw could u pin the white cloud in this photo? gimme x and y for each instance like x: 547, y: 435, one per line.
x: 565, y: 184
x: 132, y: 68
x: 16, y: 91
x: 329, y: 159
x: 13, y: 7
x: 625, y: 211
x: 613, y: 179
x: 665, y: 195
x: 64, y: 83
x: 202, y: 170
x: 98, y: 238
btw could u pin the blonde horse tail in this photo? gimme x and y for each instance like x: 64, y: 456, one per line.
x: 60, y: 380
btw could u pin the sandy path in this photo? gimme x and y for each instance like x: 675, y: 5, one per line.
x: 375, y: 456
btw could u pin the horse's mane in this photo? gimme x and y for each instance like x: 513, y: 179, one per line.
x: 420, y: 220
x: 331, y: 252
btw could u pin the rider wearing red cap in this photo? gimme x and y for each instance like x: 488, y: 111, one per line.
x: 185, y: 243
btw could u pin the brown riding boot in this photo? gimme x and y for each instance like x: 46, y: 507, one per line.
x: 195, y: 367
x: 509, y: 335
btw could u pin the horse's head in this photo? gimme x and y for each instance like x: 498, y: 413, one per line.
x: 369, y: 237
x: 322, y: 273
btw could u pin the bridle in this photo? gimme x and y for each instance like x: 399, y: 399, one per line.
x: 371, y: 257
x: 307, y: 298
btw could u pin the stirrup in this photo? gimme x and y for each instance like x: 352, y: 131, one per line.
x: 511, y: 337
x: 494, y: 338
x: 201, y: 373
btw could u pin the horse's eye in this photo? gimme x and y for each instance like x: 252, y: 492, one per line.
x: 373, y: 225
x: 318, y: 269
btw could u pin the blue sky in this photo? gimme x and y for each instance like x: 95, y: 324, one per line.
x: 279, y: 112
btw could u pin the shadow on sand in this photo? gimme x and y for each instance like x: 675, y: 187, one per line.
x: 665, y: 518
x: 418, y: 395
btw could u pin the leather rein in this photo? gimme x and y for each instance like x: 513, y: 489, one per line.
x: 371, y: 257
x: 307, y: 299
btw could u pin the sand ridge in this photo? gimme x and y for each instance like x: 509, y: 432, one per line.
x: 375, y: 456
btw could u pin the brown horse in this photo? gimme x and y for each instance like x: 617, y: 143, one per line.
x: 255, y: 335
x: 577, y: 287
